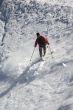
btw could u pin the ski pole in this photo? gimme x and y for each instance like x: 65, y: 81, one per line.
x: 50, y: 51
x: 32, y: 53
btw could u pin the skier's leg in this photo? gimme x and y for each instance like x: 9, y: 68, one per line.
x: 44, y: 50
x: 40, y: 51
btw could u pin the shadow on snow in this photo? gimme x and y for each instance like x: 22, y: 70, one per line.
x: 26, y: 77
x: 21, y: 79
x: 66, y: 107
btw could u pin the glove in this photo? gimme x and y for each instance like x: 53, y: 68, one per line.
x: 47, y: 46
x: 48, y: 43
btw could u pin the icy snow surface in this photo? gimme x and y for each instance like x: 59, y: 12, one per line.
x: 37, y: 84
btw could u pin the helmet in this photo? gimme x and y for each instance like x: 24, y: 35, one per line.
x: 37, y: 33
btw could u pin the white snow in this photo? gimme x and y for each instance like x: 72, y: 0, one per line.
x: 37, y: 84
x: 59, y: 2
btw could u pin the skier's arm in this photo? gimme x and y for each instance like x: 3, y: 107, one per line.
x: 46, y: 40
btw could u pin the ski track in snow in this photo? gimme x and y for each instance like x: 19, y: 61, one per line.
x: 26, y: 78
x: 48, y: 80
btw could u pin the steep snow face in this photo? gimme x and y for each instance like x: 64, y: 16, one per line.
x: 22, y: 20
x: 53, y: 2
x: 42, y: 85
x: 1, y: 30
x: 38, y: 85
x: 58, y: 2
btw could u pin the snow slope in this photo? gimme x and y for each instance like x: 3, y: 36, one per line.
x: 36, y: 85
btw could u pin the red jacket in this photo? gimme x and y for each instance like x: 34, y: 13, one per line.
x: 41, y: 41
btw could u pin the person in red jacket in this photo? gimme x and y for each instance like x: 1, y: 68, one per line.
x: 42, y: 42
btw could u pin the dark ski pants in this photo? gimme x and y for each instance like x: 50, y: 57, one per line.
x: 42, y: 50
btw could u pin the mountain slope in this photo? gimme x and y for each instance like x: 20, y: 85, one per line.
x: 38, y: 85
x: 42, y: 85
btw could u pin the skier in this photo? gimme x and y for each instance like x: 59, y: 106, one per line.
x: 42, y: 42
